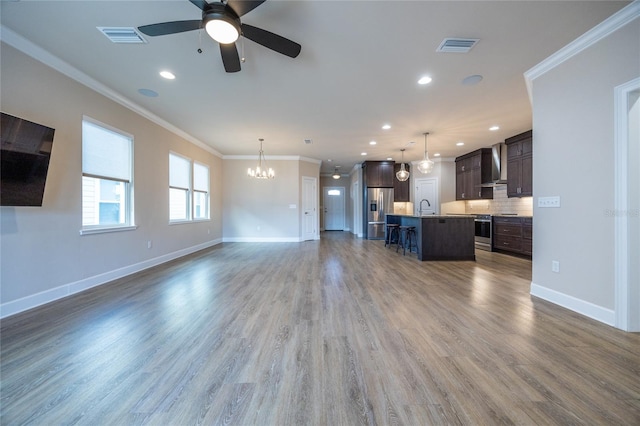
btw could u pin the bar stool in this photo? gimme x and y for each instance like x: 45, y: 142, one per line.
x: 392, y: 229
x: 406, y: 234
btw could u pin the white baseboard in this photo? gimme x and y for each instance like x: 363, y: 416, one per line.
x: 262, y: 240
x: 588, y: 309
x: 29, y: 302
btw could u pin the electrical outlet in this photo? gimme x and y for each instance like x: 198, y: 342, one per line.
x: 555, y: 266
x: 149, y: 244
x: 545, y: 202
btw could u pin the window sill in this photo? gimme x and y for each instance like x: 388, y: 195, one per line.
x: 91, y: 231
x: 182, y: 222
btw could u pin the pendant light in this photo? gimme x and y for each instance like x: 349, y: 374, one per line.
x: 335, y: 174
x: 262, y: 171
x: 402, y: 175
x: 426, y: 165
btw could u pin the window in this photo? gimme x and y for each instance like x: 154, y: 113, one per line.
x: 107, y: 178
x: 200, y: 191
x: 188, y: 189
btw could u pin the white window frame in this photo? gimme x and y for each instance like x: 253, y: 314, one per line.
x: 129, y: 215
x: 206, y: 192
x: 190, y: 192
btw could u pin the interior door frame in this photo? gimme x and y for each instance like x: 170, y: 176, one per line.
x: 627, y: 293
x: 416, y: 204
x: 313, y: 196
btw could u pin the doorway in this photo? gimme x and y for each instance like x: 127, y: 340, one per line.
x: 334, y: 208
x: 627, y: 205
x: 427, y: 200
x: 309, y: 209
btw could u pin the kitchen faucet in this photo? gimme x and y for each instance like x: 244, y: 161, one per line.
x: 421, y: 201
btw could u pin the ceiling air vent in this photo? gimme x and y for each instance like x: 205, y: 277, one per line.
x: 122, y: 34
x: 457, y: 45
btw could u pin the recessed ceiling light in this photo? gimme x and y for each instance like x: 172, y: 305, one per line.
x: 148, y: 92
x: 329, y: 160
x: 167, y: 74
x: 363, y: 153
x: 460, y: 144
x: 386, y: 127
x: 437, y: 154
x: 494, y: 128
x: 373, y: 143
x: 425, y: 80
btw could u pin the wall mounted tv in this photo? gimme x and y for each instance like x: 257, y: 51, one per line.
x: 24, y: 161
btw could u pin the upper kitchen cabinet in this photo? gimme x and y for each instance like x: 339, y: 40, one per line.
x: 379, y: 174
x: 401, y: 189
x: 472, y: 170
x: 520, y: 165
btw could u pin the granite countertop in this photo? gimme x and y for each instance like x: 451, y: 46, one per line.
x: 450, y: 216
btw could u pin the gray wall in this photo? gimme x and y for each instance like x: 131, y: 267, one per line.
x: 264, y: 209
x: 573, y: 125
x: 43, y: 255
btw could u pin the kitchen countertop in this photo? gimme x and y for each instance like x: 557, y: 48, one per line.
x: 452, y: 216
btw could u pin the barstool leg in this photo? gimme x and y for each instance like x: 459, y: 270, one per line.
x: 407, y: 241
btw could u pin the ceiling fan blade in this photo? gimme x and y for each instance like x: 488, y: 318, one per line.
x: 271, y: 40
x: 241, y: 7
x: 165, y: 28
x: 230, y: 57
x: 201, y: 4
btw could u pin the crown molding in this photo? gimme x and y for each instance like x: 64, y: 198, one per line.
x: 29, y: 48
x: 272, y: 157
x: 588, y: 39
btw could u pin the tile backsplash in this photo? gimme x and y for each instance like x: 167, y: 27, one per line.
x: 501, y: 204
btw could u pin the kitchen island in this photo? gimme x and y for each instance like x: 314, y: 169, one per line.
x: 446, y: 237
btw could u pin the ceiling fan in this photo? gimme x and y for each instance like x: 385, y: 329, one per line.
x: 221, y: 20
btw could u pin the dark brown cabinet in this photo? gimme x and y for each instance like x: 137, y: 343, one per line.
x: 471, y: 170
x: 401, y: 190
x: 513, y: 234
x: 520, y: 165
x: 378, y: 174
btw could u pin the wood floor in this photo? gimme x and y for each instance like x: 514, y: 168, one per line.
x: 334, y: 332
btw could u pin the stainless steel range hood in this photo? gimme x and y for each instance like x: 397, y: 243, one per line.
x: 498, y: 166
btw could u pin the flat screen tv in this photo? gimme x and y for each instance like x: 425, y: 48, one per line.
x: 24, y: 161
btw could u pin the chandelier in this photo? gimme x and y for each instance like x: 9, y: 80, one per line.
x: 402, y: 175
x: 426, y: 165
x: 262, y: 171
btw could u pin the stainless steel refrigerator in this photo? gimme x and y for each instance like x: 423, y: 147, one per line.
x: 379, y: 204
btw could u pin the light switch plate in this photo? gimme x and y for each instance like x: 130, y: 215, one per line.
x: 546, y: 202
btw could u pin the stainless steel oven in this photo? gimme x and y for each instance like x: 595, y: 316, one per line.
x: 483, y: 232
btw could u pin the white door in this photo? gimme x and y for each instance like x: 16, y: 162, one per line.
x: 309, y: 209
x: 426, y: 199
x: 333, y: 208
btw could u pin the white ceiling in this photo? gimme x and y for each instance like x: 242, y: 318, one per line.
x: 358, y: 69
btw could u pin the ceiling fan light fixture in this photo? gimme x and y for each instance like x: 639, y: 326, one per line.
x: 222, y: 28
